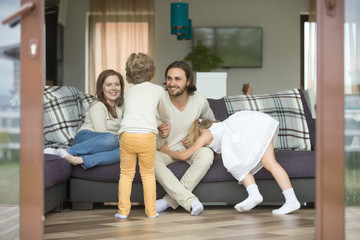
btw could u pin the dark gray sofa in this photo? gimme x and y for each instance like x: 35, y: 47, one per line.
x: 100, y: 184
x: 57, y: 172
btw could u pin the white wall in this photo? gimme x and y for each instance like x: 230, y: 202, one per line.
x: 280, y: 20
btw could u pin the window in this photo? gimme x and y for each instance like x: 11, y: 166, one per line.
x: 117, y: 29
x: 114, y: 55
x: 308, y: 53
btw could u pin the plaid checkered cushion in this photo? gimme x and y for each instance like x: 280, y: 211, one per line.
x: 64, y: 113
x: 286, y: 107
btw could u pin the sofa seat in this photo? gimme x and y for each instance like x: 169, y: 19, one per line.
x: 57, y: 172
x: 295, y: 163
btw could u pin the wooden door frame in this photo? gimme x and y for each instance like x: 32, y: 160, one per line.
x: 31, y: 123
x: 330, y: 137
x: 330, y: 120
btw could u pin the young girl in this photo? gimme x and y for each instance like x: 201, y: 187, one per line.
x: 144, y: 102
x: 246, y: 142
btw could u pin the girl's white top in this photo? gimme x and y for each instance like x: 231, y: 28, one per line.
x: 242, y: 140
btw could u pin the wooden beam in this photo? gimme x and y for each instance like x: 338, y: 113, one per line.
x: 31, y: 122
x: 330, y: 121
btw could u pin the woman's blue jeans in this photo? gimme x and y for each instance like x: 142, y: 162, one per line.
x: 95, y: 148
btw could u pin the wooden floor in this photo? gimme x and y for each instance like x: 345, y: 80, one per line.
x: 216, y: 223
x: 9, y: 221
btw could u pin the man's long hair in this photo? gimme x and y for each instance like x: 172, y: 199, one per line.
x: 188, y: 73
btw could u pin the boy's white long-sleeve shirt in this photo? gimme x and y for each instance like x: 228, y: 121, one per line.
x: 145, y: 108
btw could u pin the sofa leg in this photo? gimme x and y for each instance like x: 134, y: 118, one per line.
x: 82, y: 206
x: 57, y: 209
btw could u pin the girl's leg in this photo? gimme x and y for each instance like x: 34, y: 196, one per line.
x: 269, y: 162
x: 147, y: 172
x: 254, y: 197
x: 127, y: 168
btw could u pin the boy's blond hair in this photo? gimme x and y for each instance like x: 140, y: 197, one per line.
x: 139, y: 68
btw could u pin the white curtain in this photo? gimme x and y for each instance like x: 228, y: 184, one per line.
x: 310, y: 48
x: 117, y: 29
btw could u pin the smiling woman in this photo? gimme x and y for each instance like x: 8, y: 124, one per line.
x: 96, y: 142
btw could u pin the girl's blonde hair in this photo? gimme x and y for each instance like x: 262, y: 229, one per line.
x: 198, y: 124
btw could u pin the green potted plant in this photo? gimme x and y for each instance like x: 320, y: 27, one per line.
x: 202, y: 58
x: 203, y: 61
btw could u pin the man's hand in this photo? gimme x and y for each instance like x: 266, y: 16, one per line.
x: 164, y: 129
x: 185, y: 142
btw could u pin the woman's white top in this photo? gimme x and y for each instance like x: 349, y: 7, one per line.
x: 98, y: 119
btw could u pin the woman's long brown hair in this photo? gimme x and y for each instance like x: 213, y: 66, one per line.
x: 99, y: 90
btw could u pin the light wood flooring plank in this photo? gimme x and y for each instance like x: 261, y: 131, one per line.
x: 214, y: 223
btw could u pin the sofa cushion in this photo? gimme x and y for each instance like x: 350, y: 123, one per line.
x: 56, y: 170
x: 219, y: 108
x: 106, y: 173
x: 64, y: 112
x: 296, y: 163
x: 111, y: 173
x: 286, y: 107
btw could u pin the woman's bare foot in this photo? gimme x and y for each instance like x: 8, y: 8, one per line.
x: 74, y: 160
x: 51, y: 151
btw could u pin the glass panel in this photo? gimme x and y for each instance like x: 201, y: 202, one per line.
x: 9, y: 124
x: 310, y: 55
x: 352, y: 117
